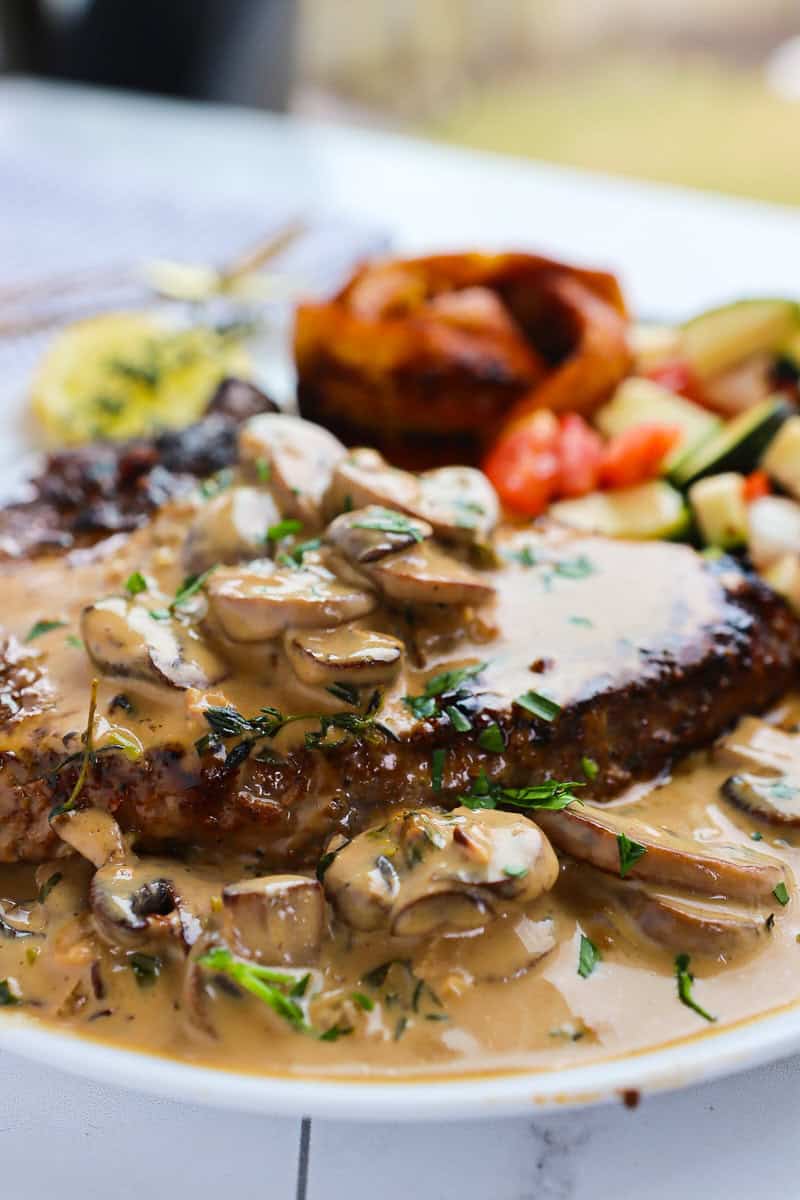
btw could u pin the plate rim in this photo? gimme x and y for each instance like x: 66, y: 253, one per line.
x: 503, y: 1094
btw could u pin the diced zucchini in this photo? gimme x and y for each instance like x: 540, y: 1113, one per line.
x: 720, y: 510
x: 651, y: 510
x: 737, y: 446
x: 722, y: 337
x: 640, y: 402
x: 654, y: 345
x: 774, y: 529
x: 783, y: 576
x: 782, y: 459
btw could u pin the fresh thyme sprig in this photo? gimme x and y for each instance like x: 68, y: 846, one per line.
x: 447, y: 693
x: 227, y: 722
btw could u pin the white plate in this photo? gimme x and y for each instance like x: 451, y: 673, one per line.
x: 677, y: 252
x: 707, y: 1057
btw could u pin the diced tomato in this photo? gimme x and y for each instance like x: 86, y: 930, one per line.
x: 677, y: 376
x: 580, y: 452
x: 756, y: 485
x: 524, y: 463
x: 637, y: 454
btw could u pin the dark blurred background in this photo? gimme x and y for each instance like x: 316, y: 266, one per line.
x: 698, y: 92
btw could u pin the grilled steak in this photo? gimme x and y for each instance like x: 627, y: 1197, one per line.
x: 111, y: 487
x: 623, y: 654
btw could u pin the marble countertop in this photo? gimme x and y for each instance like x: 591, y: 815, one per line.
x: 676, y: 252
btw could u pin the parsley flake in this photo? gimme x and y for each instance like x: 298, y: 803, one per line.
x: 539, y: 705
x: 685, y: 980
x: 629, y: 853
x: 588, y: 957
x: 135, y: 583
x: 42, y: 627
x: 781, y: 893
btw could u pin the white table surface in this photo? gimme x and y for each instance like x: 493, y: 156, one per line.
x: 676, y: 251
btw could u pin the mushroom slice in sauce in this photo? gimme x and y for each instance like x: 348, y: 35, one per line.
x: 459, y: 502
x: 364, y: 477
x: 769, y: 785
x: 134, y: 904
x: 344, y: 655
x: 684, y: 924
x: 427, y: 872
x: 263, y: 601
x: 592, y: 835
x: 276, y: 918
x: 370, y: 533
x: 91, y: 832
x: 122, y: 639
x: 230, y: 527
x: 505, y: 950
x: 301, y: 458
x: 426, y: 575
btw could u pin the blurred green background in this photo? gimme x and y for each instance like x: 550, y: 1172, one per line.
x: 703, y: 93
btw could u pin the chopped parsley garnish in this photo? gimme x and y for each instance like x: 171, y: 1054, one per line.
x: 551, y: 794
x: 48, y: 885
x: 191, y: 585
x: 7, y: 996
x: 283, y: 529
x: 781, y: 893
x: 458, y: 720
x: 263, y: 470
x: 386, y: 520
x: 146, y: 968
x: 755, y: 836
x: 541, y: 706
x: 437, y: 767
x: 685, y: 980
x: 135, y: 583
x: 629, y: 853
x: 446, y: 692
x: 589, y: 768
x: 362, y: 1001
x: 584, y: 622
x: 295, y: 556
x: 491, y: 739
x: 41, y: 627
x: 271, y: 986
x: 573, y: 568
x: 75, y: 642
x: 524, y: 556
x: 588, y: 957
x: 335, y: 1032
x: 344, y: 691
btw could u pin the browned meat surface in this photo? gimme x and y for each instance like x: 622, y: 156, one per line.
x: 108, y: 487
x: 720, y: 645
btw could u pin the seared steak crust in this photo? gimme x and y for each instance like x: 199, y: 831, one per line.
x: 285, y: 810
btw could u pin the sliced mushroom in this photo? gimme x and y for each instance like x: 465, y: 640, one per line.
x: 229, y: 528
x: 123, y: 639
x: 276, y: 919
x: 300, y: 456
x: 20, y: 920
x: 591, y: 834
x: 459, y: 502
x: 505, y: 950
x: 769, y: 786
x: 364, y: 477
x: 367, y: 534
x: 133, y: 907
x: 92, y: 832
x: 261, y: 602
x: 427, y: 872
x: 681, y: 923
x: 426, y: 575
x: 343, y: 655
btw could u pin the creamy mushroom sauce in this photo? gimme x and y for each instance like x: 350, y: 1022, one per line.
x: 504, y: 993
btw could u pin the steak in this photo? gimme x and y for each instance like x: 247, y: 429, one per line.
x: 84, y: 494
x: 601, y: 662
